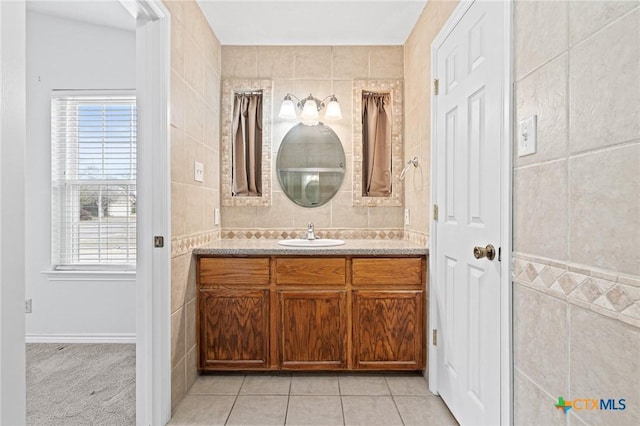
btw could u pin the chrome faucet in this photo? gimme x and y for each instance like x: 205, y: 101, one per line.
x: 310, y: 234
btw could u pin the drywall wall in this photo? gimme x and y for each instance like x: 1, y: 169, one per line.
x: 65, y: 54
x: 12, y: 224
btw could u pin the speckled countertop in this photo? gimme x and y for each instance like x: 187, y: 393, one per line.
x: 272, y: 248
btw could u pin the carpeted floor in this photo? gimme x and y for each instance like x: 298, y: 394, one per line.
x: 81, y: 384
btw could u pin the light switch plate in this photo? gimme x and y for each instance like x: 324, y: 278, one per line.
x: 407, y: 217
x: 198, y: 172
x: 216, y: 217
x: 528, y: 136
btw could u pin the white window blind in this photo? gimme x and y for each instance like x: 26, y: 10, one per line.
x: 93, y: 181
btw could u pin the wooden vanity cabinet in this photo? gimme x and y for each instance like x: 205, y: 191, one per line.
x: 311, y: 313
x: 311, y: 325
x: 389, y: 313
x: 233, y: 313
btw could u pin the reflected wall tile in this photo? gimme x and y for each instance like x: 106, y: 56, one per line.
x: 605, y: 88
x: 604, y: 209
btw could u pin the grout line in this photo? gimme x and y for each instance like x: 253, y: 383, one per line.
x: 286, y: 412
x: 344, y: 419
x: 393, y: 398
x: 235, y: 400
x: 603, y: 28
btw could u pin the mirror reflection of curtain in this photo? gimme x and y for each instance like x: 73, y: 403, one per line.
x: 247, y: 145
x: 376, y: 144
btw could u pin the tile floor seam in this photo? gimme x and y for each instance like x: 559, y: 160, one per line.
x: 286, y: 411
x: 394, y: 400
x: 235, y: 400
x: 344, y: 419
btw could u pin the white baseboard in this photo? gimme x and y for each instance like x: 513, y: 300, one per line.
x: 81, y: 338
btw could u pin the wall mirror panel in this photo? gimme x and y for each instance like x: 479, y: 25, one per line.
x: 246, y: 142
x: 310, y: 164
x: 377, y: 169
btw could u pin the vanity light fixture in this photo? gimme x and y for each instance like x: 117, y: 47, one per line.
x: 310, y: 107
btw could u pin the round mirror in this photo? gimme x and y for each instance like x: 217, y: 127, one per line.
x: 310, y: 164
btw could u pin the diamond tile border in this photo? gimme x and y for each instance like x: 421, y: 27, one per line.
x: 229, y: 88
x: 397, y: 160
x: 274, y: 234
x: 609, y: 294
x: 185, y: 244
x: 416, y: 238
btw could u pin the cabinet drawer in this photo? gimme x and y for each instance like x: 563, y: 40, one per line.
x: 231, y: 270
x: 311, y: 271
x: 403, y: 271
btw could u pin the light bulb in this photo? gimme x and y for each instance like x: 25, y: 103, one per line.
x: 334, y: 112
x: 287, y: 109
x: 310, y: 114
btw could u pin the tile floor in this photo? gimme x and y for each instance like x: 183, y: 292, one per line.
x: 311, y: 399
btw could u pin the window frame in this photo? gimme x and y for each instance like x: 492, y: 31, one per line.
x: 61, y: 270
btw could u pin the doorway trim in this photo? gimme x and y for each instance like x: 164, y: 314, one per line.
x: 153, y: 267
x: 506, y: 210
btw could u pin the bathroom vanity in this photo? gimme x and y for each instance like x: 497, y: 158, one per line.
x: 359, y: 306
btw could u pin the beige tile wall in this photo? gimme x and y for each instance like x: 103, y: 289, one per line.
x: 195, y: 111
x: 417, y: 87
x: 577, y: 208
x: 321, y: 70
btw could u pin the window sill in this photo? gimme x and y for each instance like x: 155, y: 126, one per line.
x: 129, y: 276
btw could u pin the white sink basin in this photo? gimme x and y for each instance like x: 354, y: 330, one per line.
x: 321, y: 242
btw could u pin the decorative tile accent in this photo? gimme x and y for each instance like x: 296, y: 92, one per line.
x: 417, y: 238
x: 603, y: 292
x: 184, y: 245
x: 229, y: 88
x: 345, y: 234
x: 397, y: 187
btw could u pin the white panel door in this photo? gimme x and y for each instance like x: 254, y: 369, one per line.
x: 468, y: 136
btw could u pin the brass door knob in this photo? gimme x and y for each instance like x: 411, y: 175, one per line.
x: 489, y: 252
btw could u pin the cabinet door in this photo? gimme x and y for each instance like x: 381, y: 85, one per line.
x: 388, y: 329
x: 312, y: 329
x: 234, y: 328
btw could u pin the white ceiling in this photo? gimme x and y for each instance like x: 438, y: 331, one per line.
x: 309, y: 22
x: 265, y: 22
x: 109, y: 13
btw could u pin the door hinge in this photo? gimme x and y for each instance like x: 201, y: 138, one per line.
x: 434, y: 337
x: 158, y: 241
x: 436, y: 86
x: 435, y: 212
